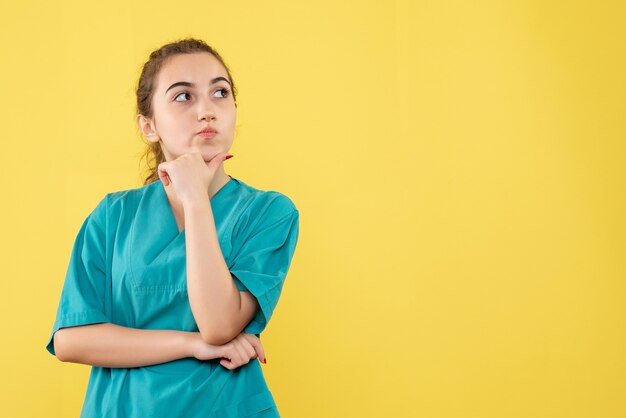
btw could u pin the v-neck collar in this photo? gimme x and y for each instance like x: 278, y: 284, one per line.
x: 156, y: 251
x: 169, y: 213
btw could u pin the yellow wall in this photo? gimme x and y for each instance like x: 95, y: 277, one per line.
x: 459, y: 169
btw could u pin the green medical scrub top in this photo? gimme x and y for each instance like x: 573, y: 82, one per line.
x: 127, y: 267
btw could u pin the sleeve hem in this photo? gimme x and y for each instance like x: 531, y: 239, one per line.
x: 259, y: 322
x: 73, y: 319
x: 260, y: 319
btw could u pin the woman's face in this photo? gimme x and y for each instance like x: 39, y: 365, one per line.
x: 181, y: 111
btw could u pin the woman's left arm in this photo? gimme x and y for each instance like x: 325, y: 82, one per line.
x: 219, y: 308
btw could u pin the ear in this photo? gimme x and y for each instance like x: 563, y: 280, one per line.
x: 146, y: 126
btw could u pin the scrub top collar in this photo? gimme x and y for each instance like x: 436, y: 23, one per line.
x: 165, y: 205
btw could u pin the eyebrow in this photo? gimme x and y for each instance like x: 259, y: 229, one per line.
x: 188, y: 84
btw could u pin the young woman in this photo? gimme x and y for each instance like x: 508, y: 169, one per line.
x: 170, y: 285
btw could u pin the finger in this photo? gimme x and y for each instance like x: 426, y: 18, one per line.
x: 231, y: 355
x: 227, y: 363
x: 258, y: 347
x: 221, y: 156
x: 162, y: 172
x: 218, y: 159
x: 250, y: 351
x: 226, y: 360
x: 242, y: 352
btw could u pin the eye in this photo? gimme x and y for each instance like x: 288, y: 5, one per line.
x: 224, y: 91
x: 184, y: 92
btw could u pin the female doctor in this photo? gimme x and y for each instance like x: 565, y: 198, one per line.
x: 170, y: 284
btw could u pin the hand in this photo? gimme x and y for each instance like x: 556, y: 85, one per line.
x: 235, y: 353
x: 190, y: 175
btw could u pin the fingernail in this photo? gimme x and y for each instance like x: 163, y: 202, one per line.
x: 228, y: 156
x: 265, y: 360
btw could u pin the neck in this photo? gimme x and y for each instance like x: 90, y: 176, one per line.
x: 220, y: 178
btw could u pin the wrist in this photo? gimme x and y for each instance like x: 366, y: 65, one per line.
x: 190, y: 343
x: 197, y: 203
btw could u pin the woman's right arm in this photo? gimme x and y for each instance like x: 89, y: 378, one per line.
x: 110, y: 345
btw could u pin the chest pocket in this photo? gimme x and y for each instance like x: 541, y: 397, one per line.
x: 167, y: 272
x: 156, y: 255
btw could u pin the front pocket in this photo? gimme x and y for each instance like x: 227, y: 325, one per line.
x: 249, y: 407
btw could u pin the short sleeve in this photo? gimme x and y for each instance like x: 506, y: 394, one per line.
x: 82, y: 299
x: 261, y: 265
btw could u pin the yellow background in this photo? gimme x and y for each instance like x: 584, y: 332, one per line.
x: 459, y: 169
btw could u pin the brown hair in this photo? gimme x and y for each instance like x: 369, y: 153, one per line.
x: 145, y: 90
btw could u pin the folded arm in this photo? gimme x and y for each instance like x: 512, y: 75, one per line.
x: 109, y: 345
x: 221, y: 311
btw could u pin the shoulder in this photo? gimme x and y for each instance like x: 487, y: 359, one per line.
x: 112, y: 204
x: 269, y: 203
x: 263, y: 208
x: 120, y: 197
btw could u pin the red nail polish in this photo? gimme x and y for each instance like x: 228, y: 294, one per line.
x: 265, y: 360
x: 228, y: 156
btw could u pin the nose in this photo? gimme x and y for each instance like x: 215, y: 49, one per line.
x: 208, y: 115
x: 206, y: 111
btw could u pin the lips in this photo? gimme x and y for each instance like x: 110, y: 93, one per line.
x: 207, y: 133
x: 208, y: 130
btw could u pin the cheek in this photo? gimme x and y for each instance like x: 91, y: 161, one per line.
x: 173, y: 122
x: 228, y: 122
